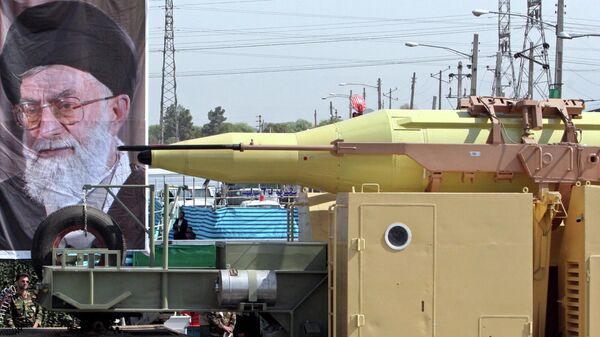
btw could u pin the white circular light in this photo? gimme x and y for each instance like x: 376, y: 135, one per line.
x: 398, y: 236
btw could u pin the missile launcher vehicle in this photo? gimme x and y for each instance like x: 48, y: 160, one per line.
x: 481, y: 221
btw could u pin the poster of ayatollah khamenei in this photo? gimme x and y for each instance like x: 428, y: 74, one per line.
x: 72, y: 90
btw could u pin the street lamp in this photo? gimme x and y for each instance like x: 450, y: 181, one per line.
x: 565, y: 35
x: 334, y: 95
x: 378, y: 87
x: 416, y: 44
x: 472, y: 57
x: 480, y: 12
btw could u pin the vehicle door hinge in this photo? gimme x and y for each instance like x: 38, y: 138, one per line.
x: 360, y: 320
x: 359, y: 244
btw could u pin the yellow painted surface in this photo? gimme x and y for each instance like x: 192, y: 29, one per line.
x: 504, y: 326
x: 594, y: 296
x: 320, y: 215
x: 331, y: 173
x: 469, y: 258
x: 580, y: 246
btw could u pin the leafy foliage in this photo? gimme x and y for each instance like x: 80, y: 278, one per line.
x: 217, y: 124
x: 187, y: 130
x: 330, y: 121
x: 216, y: 119
x: 236, y: 127
x: 298, y: 125
x: 181, y: 115
x: 9, y: 269
x: 154, y: 134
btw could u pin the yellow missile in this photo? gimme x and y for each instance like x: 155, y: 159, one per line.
x: 303, y: 158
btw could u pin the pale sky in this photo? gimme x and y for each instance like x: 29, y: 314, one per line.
x: 239, y: 53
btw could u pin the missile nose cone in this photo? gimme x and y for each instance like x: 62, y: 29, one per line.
x: 145, y: 157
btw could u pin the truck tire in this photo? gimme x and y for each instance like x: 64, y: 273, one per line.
x: 52, y: 231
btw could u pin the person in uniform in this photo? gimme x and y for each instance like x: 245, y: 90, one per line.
x: 24, y: 312
x: 221, y: 323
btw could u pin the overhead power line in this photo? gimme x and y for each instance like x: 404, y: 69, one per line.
x: 267, y: 43
x: 306, y: 67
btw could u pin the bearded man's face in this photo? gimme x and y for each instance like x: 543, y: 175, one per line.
x: 62, y: 155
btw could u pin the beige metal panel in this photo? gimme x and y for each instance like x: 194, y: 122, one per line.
x: 594, y: 296
x: 504, y: 326
x: 319, y: 217
x: 592, y: 218
x: 481, y: 263
x: 571, y: 273
x: 484, y: 260
x: 396, y: 281
x: 589, y: 294
x: 341, y: 258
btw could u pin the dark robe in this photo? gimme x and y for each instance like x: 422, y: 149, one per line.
x: 20, y: 215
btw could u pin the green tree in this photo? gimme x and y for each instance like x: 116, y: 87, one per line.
x: 330, y: 121
x: 287, y: 127
x: 237, y: 127
x: 181, y: 115
x: 302, y: 124
x: 276, y: 127
x: 196, y: 131
x: 216, y: 119
x: 154, y: 134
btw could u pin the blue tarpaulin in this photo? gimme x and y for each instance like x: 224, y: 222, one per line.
x: 239, y: 223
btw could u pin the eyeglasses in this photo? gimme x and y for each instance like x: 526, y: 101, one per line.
x: 67, y: 110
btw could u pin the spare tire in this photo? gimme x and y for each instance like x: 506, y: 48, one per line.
x: 68, y: 224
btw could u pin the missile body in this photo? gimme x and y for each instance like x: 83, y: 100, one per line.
x: 336, y: 173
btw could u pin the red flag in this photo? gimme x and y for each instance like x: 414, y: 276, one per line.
x: 358, y: 103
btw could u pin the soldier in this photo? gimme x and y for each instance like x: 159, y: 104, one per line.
x: 221, y: 323
x: 24, y: 312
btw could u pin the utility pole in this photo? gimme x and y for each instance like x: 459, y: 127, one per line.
x: 433, y: 103
x: 350, y: 105
x: 497, y: 89
x: 379, y: 106
x: 530, y: 83
x: 168, y: 96
x: 390, y: 98
x: 365, y: 94
x: 459, y: 77
x: 459, y: 90
x: 330, y: 108
x: 474, y: 61
x: 438, y: 77
x: 440, y: 91
x: 260, y: 123
x: 412, y: 89
x: 315, y: 117
x: 560, y: 16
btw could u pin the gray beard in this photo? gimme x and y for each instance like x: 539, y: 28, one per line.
x: 58, y: 181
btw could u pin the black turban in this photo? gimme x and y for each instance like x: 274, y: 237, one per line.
x: 68, y: 33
